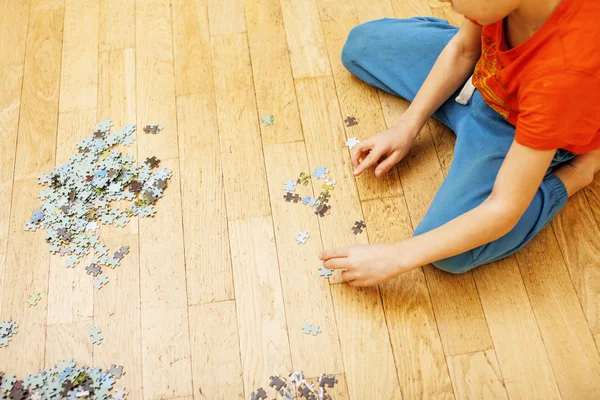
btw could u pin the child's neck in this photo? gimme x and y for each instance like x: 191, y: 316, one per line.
x: 522, y: 23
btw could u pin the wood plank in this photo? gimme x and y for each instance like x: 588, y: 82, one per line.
x: 579, y: 240
x: 26, y: 271
x: 517, y: 339
x: 117, y: 25
x: 336, y: 10
x: 226, y: 17
x: 592, y: 193
x: 261, y: 316
x: 243, y: 169
x: 155, y: 83
x: 484, y: 376
x: 361, y: 101
x: 206, y: 240
x: 39, y: 102
x: 215, y: 349
x: 274, y: 86
x: 308, y: 54
x: 597, y: 338
x: 458, y: 311
x: 11, y: 79
x: 566, y: 334
x: 117, y: 313
x: 69, y: 342
x: 2, y: 269
x: 70, y: 291
x: 365, y: 343
x: 79, y: 73
x: 415, y: 340
x: 313, y: 355
x: 13, y: 33
x: 411, y: 8
x: 191, y: 47
x: 322, y: 124
x: 165, y: 334
x: 376, y: 9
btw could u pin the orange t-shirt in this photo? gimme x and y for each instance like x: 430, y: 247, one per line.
x: 549, y: 86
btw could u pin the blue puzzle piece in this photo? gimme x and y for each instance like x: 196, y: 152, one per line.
x: 306, y: 199
x: 289, y: 186
x: 320, y: 172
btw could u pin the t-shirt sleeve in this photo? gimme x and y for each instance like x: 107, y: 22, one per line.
x: 559, y: 109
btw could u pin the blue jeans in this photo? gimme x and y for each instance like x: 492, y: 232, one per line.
x: 396, y: 56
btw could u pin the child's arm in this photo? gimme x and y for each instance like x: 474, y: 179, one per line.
x: 516, y: 183
x: 454, y: 65
x: 452, y: 68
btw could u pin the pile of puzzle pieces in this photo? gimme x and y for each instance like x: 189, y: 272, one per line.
x: 297, y: 387
x: 320, y: 203
x: 64, y: 381
x: 7, y: 330
x: 81, y: 193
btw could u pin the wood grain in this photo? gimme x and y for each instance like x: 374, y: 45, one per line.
x: 566, y: 335
x: 274, y: 86
x: 13, y: 33
x: 215, y: 348
x: 70, y: 342
x: 117, y: 25
x: 484, y: 376
x: 226, y: 16
x: 206, y: 240
x: 579, y: 240
x: 421, y: 364
x: 261, y: 316
x: 306, y: 44
x: 515, y: 331
x: 243, y: 166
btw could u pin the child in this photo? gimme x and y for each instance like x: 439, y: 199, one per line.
x: 527, y: 125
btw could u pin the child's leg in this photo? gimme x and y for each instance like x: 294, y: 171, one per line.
x: 483, y: 140
x: 396, y: 55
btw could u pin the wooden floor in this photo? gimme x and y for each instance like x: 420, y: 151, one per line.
x: 210, y: 301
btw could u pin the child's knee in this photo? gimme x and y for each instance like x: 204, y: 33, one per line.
x: 356, y: 49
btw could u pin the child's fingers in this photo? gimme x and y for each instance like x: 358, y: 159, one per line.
x: 336, y: 263
x: 371, y: 159
x: 334, y: 253
x: 358, y: 151
x: 387, y: 164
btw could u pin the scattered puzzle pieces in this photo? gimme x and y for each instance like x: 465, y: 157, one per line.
x: 350, y: 121
x: 304, y: 179
x: 327, y: 380
x: 323, y: 210
x: 153, y: 129
x: 267, y: 120
x: 7, y: 330
x: 292, y: 197
x: 33, y: 299
x: 93, y: 270
x: 277, y: 382
x: 99, y: 282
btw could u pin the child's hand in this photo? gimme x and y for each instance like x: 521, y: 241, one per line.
x: 391, y: 145
x: 368, y: 265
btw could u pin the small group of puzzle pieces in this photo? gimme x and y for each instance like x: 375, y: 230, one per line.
x: 7, y: 330
x: 64, y: 381
x: 297, y: 387
x: 320, y: 203
x: 81, y: 195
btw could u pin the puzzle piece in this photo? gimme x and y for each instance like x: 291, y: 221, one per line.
x: 322, y: 210
x: 350, y: 121
x: 153, y: 129
x: 306, y: 200
x: 327, y: 380
x: 303, y: 179
x: 358, y: 227
x: 277, y: 382
x: 320, y: 172
x: 152, y: 162
x: 351, y: 142
x: 325, y: 272
x: 306, y: 392
x: 324, y: 197
x: 310, y: 329
x: 95, y: 335
x: 267, y: 120
x: 33, y: 299
x: 116, y: 371
x: 288, y: 393
x: 313, y: 202
x: 99, y: 282
x: 327, y: 187
x: 93, y: 270
x: 292, y: 197
x: 289, y: 186
x: 302, y: 237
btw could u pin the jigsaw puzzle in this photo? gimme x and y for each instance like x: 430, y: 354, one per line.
x: 33, y: 299
x: 64, y: 381
x: 267, y: 120
x: 153, y: 129
x: 324, y: 272
x: 297, y: 387
x: 96, y: 335
x: 304, y: 179
x: 310, y: 329
x: 320, y: 172
x: 302, y: 237
x: 7, y: 330
x: 289, y: 186
x: 351, y: 142
x: 350, y: 121
x: 358, y: 227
